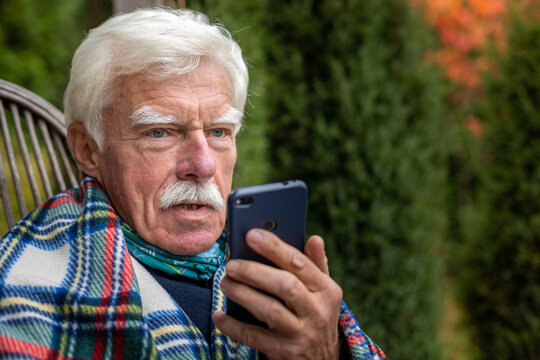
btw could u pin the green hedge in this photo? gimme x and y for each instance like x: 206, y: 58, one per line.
x: 353, y: 110
x: 37, y: 41
x: 501, y: 277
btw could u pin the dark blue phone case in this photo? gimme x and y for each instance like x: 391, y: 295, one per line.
x: 278, y: 207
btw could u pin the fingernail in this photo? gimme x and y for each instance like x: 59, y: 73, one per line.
x: 255, y: 237
x: 224, y: 284
x: 299, y: 261
x: 232, y: 266
x: 217, y: 316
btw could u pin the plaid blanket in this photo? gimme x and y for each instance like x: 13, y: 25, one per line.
x: 69, y: 289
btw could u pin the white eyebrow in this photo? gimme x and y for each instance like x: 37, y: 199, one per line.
x: 148, y: 116
x: 232, y: 116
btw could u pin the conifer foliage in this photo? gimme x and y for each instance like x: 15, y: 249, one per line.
x: 354, y: 111
x: 37, y: 41
x: 501, y: 285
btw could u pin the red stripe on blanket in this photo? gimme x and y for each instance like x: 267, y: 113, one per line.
x: 106, y: 298
x: 51, y: 204
x: 127, y: 283
x: 19, y: 347
x: 376, y: 350
x: 350, y: 323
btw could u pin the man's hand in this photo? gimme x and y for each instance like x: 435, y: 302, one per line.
x: 306, y: 327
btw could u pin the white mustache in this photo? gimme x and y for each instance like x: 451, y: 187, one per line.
x: 191, y: 192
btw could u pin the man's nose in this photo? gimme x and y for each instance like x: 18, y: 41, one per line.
x: 196, y: 160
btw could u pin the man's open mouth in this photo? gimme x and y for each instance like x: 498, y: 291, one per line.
x: 190, y: 206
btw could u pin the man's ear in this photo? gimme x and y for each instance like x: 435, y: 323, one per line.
x: 84, y: 149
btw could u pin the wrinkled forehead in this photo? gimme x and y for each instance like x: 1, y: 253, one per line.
x: 203, y: 70
x: 205, y: 90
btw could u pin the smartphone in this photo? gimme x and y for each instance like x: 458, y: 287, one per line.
x: 278, y: 207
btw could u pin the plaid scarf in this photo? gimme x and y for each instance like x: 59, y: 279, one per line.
x: 69, y: 289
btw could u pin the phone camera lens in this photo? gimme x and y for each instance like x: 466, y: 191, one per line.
x: 244, y: 200
x: 269, y: 224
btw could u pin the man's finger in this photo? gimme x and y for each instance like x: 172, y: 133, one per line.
x: 315, y: 251
x: 264, y: 307
x: 287, y: 258
x: 286, y: 286
x: 253, y: 336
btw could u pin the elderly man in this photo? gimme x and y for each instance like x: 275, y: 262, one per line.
x: 131, y: 263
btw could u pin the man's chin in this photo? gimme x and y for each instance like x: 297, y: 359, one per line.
x: 190, y: 242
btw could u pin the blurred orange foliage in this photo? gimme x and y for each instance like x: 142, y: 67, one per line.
x: 465, y: 29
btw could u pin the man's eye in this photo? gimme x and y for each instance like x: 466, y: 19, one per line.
x: 218, y: 132
x: 158, y: 133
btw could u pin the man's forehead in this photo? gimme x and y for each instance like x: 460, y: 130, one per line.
x: 208, y: 73
x: 203, y: 94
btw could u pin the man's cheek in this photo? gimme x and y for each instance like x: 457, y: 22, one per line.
x: 143, y: 179
x: 228, y: 173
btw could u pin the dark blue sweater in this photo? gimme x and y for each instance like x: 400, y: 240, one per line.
x: 193, y: 296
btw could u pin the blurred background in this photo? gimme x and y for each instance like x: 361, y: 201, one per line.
x: 415, y: 124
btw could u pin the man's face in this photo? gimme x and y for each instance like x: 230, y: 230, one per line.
x: 160, y: 133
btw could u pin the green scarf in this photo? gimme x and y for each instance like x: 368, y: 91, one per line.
x: 197, y: 267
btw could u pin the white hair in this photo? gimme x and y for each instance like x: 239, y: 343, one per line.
x: 159, y: 41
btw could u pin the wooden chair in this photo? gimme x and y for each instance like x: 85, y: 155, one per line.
x: 36, y: 160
